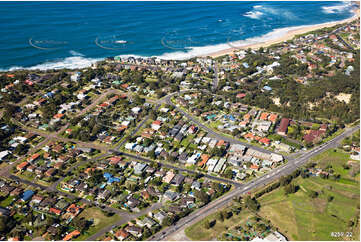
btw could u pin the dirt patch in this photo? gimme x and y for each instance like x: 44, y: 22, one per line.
x: 343, y: 97
x: 276, y: 101
x: 311, y: 105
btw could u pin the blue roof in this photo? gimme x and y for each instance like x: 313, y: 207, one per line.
x: 211, y: 116
x: 107, y: 175
x: 110, y: 179
x: 49, y: 94
x: 27, y: 195
x: 113, y: 179
x: 267, y: 88
x: 230, y: 117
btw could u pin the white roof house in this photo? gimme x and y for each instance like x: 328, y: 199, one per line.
x: 136, y: 110
x: 276, y: 157
x: 219, y: 165
x: 4, y: 153
x: 130, y: 146
x: 211, y: 163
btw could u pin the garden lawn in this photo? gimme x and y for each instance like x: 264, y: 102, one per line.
x: 100, y: 221
x: 7, y: 201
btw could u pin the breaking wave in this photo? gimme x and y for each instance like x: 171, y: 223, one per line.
x: 253, y: 14
x: 73, y: 62
x: 260, y: 10
x: 338, y: 8
x: 78, y: 60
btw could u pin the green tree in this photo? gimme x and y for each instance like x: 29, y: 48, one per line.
x: 202, y: 196
x: 252, y: 203
x: 290, y: 188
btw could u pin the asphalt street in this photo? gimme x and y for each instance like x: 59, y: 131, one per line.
x: 286, y: 169
x: 239, y: 189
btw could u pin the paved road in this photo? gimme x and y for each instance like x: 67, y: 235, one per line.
x: 341, y: 39
x: 55, y: 136
x: 286, y: 169
x: 98, y: 99
x: 6, y: 170
x: 222, y: 201
x: 108, y: 150
x: 210, y: 131
x: 76, y: 165
x: 140, y: 125
x: 123, y: 220
x: 124, y: 216
x: 344, y: 42
x: 71, y: 196
x: 219, y: 179
x: 216, y: 78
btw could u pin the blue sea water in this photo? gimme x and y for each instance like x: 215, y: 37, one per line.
x: 75, y: 34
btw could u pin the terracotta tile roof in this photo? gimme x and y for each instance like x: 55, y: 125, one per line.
x: 22, y: 165
x: 69, y: 236
x: 273, y: 117
x: 263, y: 116
x: 204, y: 159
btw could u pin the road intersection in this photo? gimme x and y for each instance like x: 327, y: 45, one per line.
x: 286, y: 169
x: 239, y: 189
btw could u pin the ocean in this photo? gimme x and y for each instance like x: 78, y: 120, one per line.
x: 45, y: 35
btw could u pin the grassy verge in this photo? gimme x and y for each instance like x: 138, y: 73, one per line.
x: 337, y: 133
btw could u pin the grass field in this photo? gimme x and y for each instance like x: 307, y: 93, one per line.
x: 336, y: 158
x: 100, y: 221
x: 298, y: 216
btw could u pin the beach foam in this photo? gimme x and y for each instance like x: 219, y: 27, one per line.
x: 73, y: 62
x: 253, y: 14
x: 260, y: 10
x: 78, y: 60
x: 210, y: 49
x: 346, y: 6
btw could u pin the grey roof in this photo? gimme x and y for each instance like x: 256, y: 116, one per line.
x: 139, y: 168
x: 171, y: 195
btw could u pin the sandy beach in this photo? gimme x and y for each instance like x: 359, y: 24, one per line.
x: 287, y: 36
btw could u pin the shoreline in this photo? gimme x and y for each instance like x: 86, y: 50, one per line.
x: 288, y: 36
x: 287, y: 33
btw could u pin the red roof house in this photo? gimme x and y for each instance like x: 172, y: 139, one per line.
x: 282, y: 130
